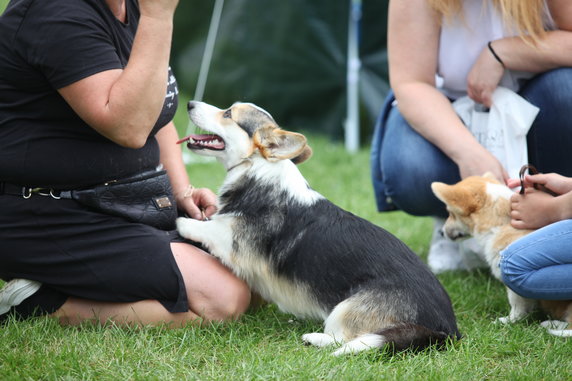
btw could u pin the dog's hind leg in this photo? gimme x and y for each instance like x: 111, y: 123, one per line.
x: 361, y: 343
x: 400, y: 336
x: 519, y: 307
x: 334, y: 332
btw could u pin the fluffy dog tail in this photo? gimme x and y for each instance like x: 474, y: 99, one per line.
x: 414, y: 337
x: 398, y: 337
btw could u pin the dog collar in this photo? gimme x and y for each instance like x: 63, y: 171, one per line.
x: 243, y: 161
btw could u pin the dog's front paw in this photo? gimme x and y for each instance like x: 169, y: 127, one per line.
x: 184, y: 227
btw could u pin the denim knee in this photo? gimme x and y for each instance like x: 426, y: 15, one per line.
x: 410, y: 163
x: 538, y: 265
x: 553, y: 87
x: 511, y: 274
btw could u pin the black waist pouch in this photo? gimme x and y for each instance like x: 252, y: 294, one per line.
x: 145, y: 198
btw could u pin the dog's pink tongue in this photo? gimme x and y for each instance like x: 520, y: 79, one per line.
x: 185, y: 139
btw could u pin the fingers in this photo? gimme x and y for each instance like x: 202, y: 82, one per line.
x: 539, y: 178
x: 483, y: 96
x: 209, y: 210
x: 512, y: 183
x: 516, y: 218
x: 529, y: 181
x: 518, y: 224
x: 206, y: 202
x: 193, y: 211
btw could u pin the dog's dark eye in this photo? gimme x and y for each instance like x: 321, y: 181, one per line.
x: 227, y: 114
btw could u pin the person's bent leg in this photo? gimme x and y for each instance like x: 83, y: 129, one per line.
x: 538, y: 266
x: 214, y: 293
x: 410, y: 163
x: 143, y: 313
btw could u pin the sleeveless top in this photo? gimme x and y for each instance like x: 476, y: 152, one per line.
x: 462, y: 40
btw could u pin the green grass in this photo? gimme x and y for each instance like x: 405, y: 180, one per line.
x: 266, y: 345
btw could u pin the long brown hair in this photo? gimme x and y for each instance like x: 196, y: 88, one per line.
x: 527, y: 17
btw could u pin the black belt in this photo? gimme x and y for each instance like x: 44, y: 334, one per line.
x: 27, y: 192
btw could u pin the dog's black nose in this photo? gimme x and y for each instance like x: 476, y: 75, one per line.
x: 191, y: 105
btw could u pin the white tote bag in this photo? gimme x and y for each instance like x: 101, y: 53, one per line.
x: 502, y: 129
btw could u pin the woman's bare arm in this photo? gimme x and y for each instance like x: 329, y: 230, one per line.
x: 123, y: 105
x: 413, y: 44
x: 200, y: 200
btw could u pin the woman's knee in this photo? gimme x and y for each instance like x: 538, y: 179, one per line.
x: 213, y: 291
x: 228, y: 303
x: 510, y: 275
x: 511, y: 265
x: 409, y: 164
x: 408, y: 179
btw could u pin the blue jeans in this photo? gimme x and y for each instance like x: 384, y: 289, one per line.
x: 539, y: 265
x: 404, y: 164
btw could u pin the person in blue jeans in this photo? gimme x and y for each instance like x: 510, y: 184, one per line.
x: 539, y: 265
x: 441, y: 50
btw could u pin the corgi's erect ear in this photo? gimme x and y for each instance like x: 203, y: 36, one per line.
x: 305, y: 155
x: 440, y: 190
x: 275, y: 144
x: 457, y: 199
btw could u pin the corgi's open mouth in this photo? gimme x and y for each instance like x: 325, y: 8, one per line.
x: 210, y: 141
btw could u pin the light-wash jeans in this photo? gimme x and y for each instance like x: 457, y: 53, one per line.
x: 404, y: 163
x: 539, y: 265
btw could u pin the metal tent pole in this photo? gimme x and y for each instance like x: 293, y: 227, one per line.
x: 209, y: 47
x: 206, y: 63
x: 352, y: 79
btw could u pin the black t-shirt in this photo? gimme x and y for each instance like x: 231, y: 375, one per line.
x: 46, y: 45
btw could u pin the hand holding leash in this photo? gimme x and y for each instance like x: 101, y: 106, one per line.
x: 199, y: 203
x: 542, y: 182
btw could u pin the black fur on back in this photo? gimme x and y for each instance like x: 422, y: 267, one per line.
x: 338, y: 254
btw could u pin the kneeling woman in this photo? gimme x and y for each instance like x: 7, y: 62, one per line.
x: 86, y: 98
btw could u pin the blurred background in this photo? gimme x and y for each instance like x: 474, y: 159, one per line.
x: 289, y: 57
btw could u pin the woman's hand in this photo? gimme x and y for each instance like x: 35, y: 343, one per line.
x: 477, y: 161
x: 552, y: 181
x: 536, y: 208
x: 198, y: 203
x: 484, y: 77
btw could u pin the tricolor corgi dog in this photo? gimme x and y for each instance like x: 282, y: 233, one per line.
x: 298, y: 250
x: 479, y: 206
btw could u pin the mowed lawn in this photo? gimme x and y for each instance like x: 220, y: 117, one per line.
x: 266, y: 345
